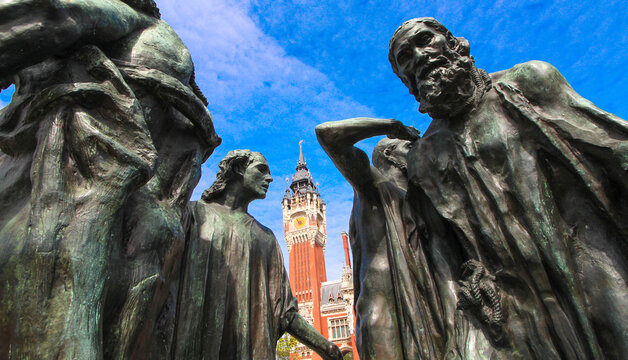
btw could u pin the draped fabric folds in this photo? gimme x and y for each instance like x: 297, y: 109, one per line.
x: 416, y: 309
x: 74, y: 143
x: 397, y: 314
x: 537, y: 191
x: 235, y: 300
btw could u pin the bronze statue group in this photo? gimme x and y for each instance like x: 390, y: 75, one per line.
x: 500, y: 233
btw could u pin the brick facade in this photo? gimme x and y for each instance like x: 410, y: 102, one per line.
x: 327, y: 305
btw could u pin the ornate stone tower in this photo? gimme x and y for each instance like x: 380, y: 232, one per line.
x: 304, y: 227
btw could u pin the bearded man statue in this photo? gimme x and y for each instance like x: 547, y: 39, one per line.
x: 523, y: 189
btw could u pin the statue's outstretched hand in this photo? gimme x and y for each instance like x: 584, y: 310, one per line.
x: 333, y: 352
x: 405, y: 133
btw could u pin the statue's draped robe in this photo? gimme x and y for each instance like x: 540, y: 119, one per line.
x: 414, y: 310
x: 235, y: 299
x: 74, y: 144
x: 538, y: 192
x: 140, y: 313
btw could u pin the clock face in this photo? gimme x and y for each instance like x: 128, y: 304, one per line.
x: 299, y: 222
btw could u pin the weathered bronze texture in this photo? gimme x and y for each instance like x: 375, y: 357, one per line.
x: 101, y: 147
x: 235, y: 300
x: 522, y: 187
x: 396, y: 317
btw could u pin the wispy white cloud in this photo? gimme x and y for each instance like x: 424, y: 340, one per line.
x: 251, y: 82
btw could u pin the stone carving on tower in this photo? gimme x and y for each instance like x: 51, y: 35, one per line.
x: 303, y: 208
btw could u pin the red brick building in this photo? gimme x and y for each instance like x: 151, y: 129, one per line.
x: 327, y: 305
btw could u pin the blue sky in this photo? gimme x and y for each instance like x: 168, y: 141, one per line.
x: 274, y: 69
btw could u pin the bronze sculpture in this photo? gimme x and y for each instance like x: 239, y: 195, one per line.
x: 235, y: 299
x: 527, y: 180
x: 509, y: 242
x: 394, y: 313
x: 100, y: 149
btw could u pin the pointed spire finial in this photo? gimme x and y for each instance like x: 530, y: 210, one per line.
x: 286, y: 195
x: 302, y: 179
x: 301, y: 158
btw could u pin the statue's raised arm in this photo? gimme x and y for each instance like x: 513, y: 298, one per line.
x: 339, y: 137
x: 394, y: 317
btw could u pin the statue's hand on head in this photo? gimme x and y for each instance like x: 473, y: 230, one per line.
x: 333, y: 352
x: 5, y: 83
x: 402, y: 132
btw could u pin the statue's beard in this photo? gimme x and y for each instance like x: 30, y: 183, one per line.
x: 399, y: 165
x: 447, y: 89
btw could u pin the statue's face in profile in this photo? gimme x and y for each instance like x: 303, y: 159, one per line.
x: 256, y: 178
x: 399, y: 153
x: 391, y: 152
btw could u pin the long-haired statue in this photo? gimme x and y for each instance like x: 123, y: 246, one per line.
x: 235, y: 299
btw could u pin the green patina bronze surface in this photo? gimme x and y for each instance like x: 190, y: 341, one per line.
x: 500, y: 234
x: 523, y: 189
x: 235, y: 300
x: 396, y: 315
x: 100, y: 149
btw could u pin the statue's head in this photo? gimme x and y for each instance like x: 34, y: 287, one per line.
x: 245, y: 169
x: 392, y: 153
x: 435, y: 66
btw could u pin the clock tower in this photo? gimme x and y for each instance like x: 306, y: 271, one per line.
x: 304, y: 229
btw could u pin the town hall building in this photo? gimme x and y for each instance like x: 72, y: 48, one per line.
x: 326, y: 305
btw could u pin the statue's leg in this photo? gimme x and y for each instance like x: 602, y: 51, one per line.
x: 379, y: 332
x: 150, y: 263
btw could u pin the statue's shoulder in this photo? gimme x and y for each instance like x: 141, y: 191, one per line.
x: 537, y: 80
x: 267, y: 231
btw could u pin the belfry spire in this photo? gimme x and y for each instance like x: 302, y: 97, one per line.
x: 301, y: 157
x: 327, y: 306
x: 302, y: 179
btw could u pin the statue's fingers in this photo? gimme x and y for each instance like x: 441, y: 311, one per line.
x: 4, y: 84
x: 415, y: 133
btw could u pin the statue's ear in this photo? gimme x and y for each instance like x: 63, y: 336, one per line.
x: 463, y: 47
x: 239, y: 167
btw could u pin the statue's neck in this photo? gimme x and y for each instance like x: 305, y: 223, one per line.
x: 233, y: 198
x: 396, y: 176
